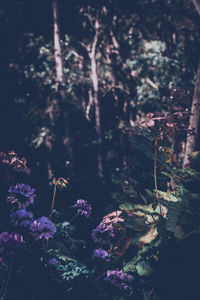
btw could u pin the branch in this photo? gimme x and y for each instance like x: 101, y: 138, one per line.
x: 197, y: 5
x: 194, y: 119
x: 114, y: 40
x: 113, y: 86
x: 94, y: 44
x: 76, y: 54
x: 87, y: 112
x: 86, y: 47
x: 151, y: 83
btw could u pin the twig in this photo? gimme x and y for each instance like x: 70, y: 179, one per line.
x: 151, y: 83
x: 197, y: 5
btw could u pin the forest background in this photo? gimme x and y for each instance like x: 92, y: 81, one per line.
x: 77, y: 80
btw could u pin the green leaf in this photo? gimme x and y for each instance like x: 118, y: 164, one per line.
x: 194, y: 155
x: 131, y: 265
x: 168, y: 196
x: 143, y: 268
x: 136, y: 223
x: 127, y: 207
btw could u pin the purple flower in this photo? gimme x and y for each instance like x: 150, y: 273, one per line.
x: 119, y: 279
x: 84, y: 208
x: 53, y: 261
x: 42, y: 228
x: 102, y: 254
x: 22, y: 218
x: 102, y: 233
x: 10, y: 243
x: 21, y: 194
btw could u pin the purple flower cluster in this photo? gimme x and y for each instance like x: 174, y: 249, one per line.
x: 10, y: 243
x: 83, y: 208
x: 102, y: 233
x: 42, y: 228
x: 21, y: 194
x: 101, y: 254
x: 21, y: 217
x: 119, y: 279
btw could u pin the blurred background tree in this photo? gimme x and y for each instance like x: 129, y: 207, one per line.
x: 78, y: 76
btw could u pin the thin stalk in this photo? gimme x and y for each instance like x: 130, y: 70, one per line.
x: 155, y: 172
x: 74, y: 217
x: 53, y: 201
x: 155, y: 165
x: 59, y: 181
x: 7, y: 282
x: 43, y: 243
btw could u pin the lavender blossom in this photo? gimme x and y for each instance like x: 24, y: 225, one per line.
x: 22, y: 218
x: 102, y: 233
x: 10, y: 244
x: 42, y: 228
x: 53, y: 261
x: 101, y: 254
x: 84, y: 208
x: 119, y: 279
x: 21, y: 194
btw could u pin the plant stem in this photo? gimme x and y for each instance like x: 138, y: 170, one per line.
x: 155, y: 161
x: 53, y: 201
x: 59, y: 181
x: 7, y: 281
x: 155, y: 173
x: 74, y: 217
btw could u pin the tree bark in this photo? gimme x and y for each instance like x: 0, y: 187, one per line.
x: 197, y: 5
x: 194, y: 120
x: 95, y: 82
x: 64, y: 113
x: 57, y: 45
x: 195, y: 112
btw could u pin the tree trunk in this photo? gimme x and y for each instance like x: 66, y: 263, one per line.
x: 194, y: 120
x: 197, y: 5
x: 64, y: 113
x: 57, y: 45
x: 95, y: 82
